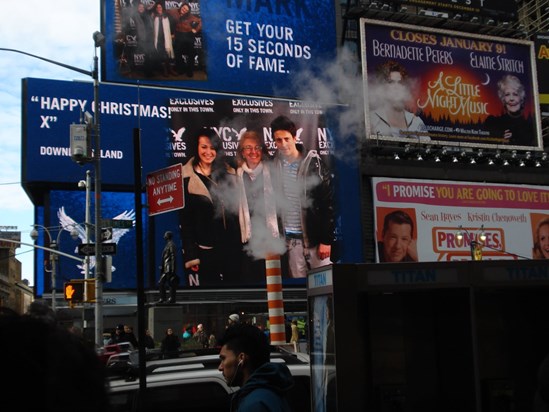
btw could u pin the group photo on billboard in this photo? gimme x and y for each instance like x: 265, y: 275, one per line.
x: 436, y: 86
x: 257, y: 181
x: 428, y: 221
x: 206, y: 45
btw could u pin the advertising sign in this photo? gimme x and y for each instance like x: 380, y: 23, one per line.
x: 541, y: 41
x: 443, y: 87
x: 168, y: 120
x: 507, y: 8
x: 171, y: 122
x: 248, y: 47
x: 424, y: 220
x: 460, y: 6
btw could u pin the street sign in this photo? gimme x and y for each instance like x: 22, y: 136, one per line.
x: 117, y: 223
x: 165, y: 190
x: 106, y: 234
x: 88, y: 249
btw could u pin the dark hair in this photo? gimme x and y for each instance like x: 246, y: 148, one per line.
x: 248, y: 339
x: 218, y: 164
x: 384, y: 70
x: 400, y: 218
x: 283, y: 123
x: 54, y: 365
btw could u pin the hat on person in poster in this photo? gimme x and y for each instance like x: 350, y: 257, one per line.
x: 234, y: 317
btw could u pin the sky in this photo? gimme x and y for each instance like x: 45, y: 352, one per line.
x: 62, y: 33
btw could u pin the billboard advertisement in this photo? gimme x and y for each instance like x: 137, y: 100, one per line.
x: 425, y: 221
x: 66, y: 212
x: 502, y: 8
x: 443, y: 87
x: 171, y: 124
x: 541, y: 41
x: 206, y: 45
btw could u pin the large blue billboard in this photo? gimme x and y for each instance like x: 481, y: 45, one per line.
x: 248, y: 47
x: 169, y: 120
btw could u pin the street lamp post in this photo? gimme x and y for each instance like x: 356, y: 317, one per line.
x: 87, y: 185
x: 53, y: 244
x: 99, y: 41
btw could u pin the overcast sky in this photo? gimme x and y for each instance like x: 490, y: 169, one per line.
x: 60, y: 31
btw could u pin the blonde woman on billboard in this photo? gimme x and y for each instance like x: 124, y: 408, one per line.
x: 391, y: 94
x: 541, y: 240
x: 512, y: 125
x: 259, y: 221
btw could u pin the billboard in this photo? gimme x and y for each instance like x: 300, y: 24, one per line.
x: 169, y: 121
x: 65, y: 211
x: 505, y: 9
x: 262, y: 43
x: 425, y: 221
x: 443, y: 87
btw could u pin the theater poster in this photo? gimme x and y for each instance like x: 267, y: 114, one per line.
x: 542, y: 63
x: 429, y: 221
x: 429, y: 85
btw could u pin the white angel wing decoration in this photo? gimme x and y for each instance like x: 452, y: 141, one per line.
x: 69, y: 225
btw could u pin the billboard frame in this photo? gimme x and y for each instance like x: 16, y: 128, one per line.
x: 445, y: 140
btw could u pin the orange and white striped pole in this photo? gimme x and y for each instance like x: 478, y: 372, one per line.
x: 275, y: 300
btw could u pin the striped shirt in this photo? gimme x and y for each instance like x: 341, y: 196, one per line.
x: 292, y: 216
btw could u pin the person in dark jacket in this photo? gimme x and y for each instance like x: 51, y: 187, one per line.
x: 130, y: 336
x: 210, y: 232
x: 187, y: 27
x: 170, y: 344
x: 245, y: 362
x: 306, y: 193
x: 168, y: 275
x: 118, y: 336
x: 149, y: 340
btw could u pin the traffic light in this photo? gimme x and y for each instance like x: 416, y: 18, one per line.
x: 74, y: 291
